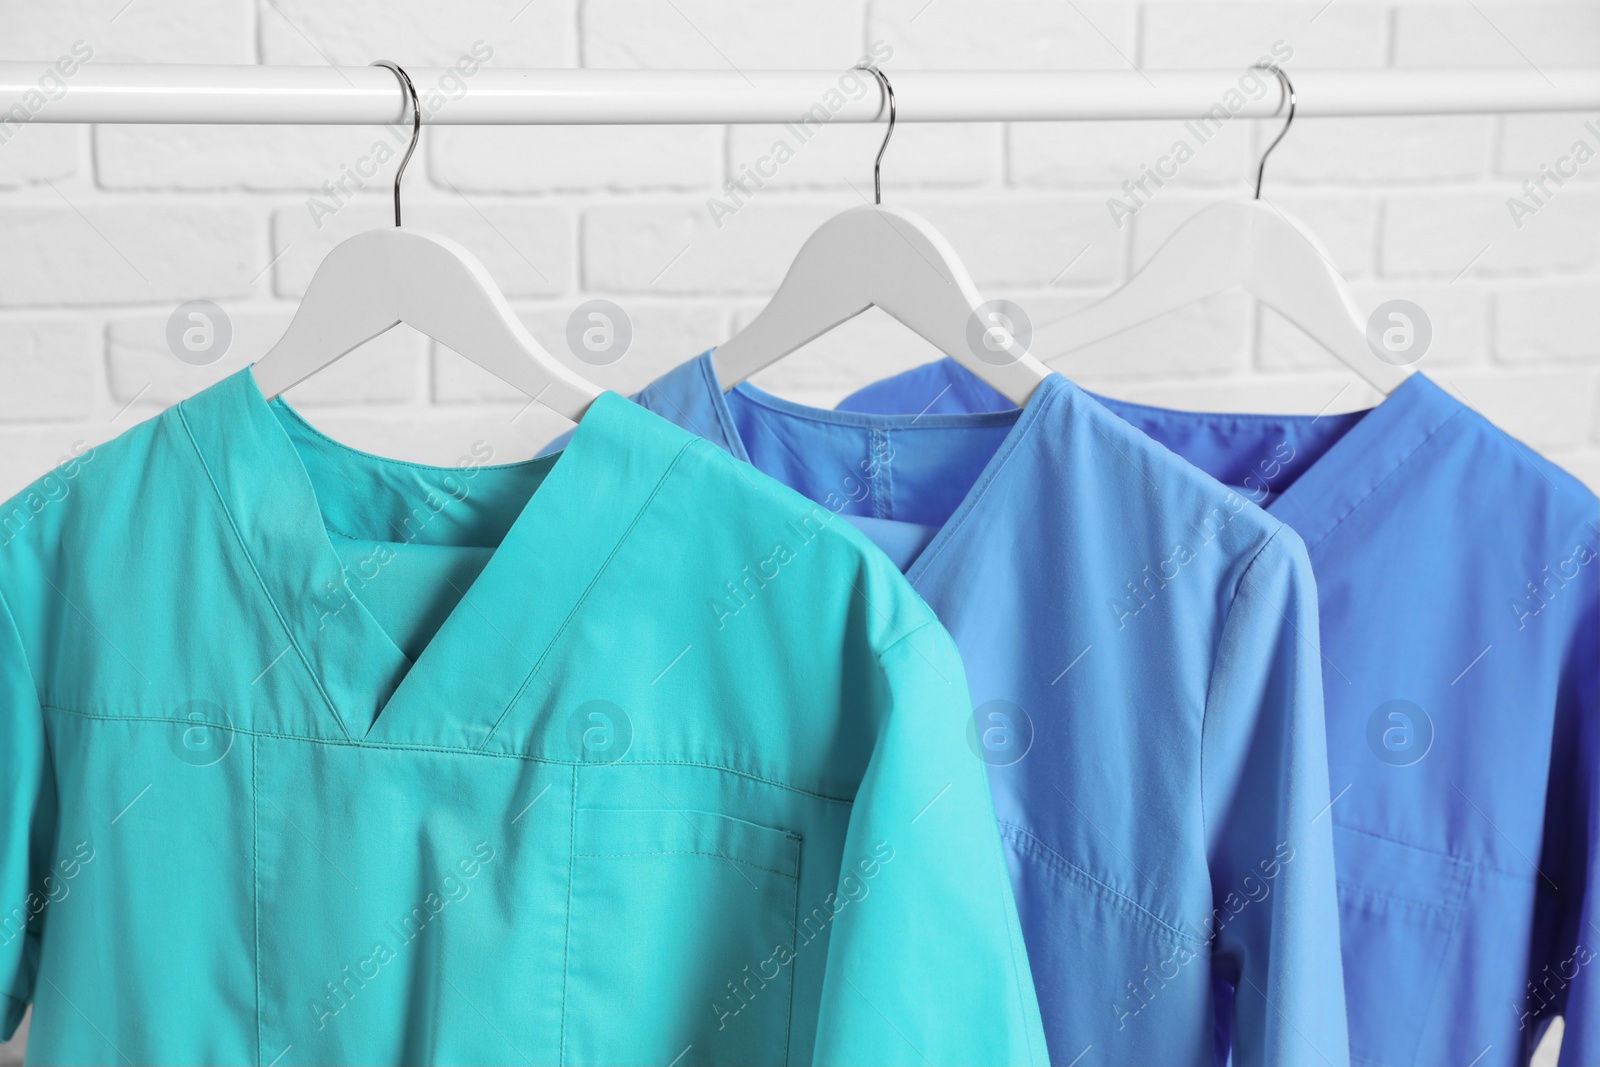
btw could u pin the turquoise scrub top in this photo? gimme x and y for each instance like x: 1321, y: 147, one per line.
x: 626, y: 756
x: 1141, y: 644
x: 1460, y: 608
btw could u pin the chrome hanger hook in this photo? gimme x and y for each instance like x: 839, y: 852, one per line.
x: 877, y: 164
x: 1288, y: 94
x: 416, y: 128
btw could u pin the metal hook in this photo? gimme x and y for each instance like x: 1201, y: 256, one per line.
x: 416, y: 128
x: 1288, y: 92
x: 877, y: 164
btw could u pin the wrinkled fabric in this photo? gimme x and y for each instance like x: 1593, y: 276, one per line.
x: 625, y: 756
x: 1461, y: 664
x: 1141, y: 646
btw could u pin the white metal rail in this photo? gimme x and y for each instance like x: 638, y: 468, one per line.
x: 229, y: 95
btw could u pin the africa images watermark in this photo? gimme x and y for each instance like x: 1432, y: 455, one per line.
x: 740, y: 594
x: 454, y: 887
x: 816, y: 923
x: 852, y: 85
x: 1536, y: 191
x: 1253, y: 84
x: 452, y: 86
x: 1256, y: 888
x: 49, y: 87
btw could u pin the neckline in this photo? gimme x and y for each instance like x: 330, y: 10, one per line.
x: 1022, y: 422
x: 1383, y: 439
x: 490, y: 646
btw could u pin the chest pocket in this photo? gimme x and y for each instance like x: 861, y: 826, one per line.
x: 1398, y: 910
x: 680, y: 939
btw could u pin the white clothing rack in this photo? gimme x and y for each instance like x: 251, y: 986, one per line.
x: 231, y: 95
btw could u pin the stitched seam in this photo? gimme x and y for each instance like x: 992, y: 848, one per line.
x: 1444, y: 951
x: 1381, y: 482
x: 1051, y: 858
x: 897, y: 642
x: 300, y: 421
x: 566, y: 941
x: 588, y: 589
x: 1354, y: 889
x: 1472, y: 865
x: 255, y: 876
x: 687, y: 852
x: 1211, y: 677
x: 998, y: 463
x: 250, y: 561
x: 794, y: 930
x: 391, y: 746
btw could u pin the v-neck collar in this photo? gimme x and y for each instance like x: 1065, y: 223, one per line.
x: 1378, y: 443
x: 489, y: 648
x: 693, y: 396
x: 1333, y: 485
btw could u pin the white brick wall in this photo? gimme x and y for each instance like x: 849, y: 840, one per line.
x: 106, y: 230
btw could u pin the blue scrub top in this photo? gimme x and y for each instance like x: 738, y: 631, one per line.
x: 1461, y: 661
x: 1141, y: 646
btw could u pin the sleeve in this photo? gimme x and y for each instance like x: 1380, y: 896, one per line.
x: 25, y: 806
x: 1576, y: 958
x: 1275, y: 921
x: 926, y: 963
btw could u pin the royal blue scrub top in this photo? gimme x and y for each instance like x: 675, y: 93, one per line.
x: 1461, y: 660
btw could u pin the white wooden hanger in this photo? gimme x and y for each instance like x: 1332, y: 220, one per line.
x: 1250, y: 244
x: 872, y: 256
x: 376, y: 280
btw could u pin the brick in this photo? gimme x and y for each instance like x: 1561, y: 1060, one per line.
x: 526, y: 249
x: 1381, y: 150
x: 840, y: 155
x: 1448, y: 235
x: 48, y: 370
x: 1103, y: 155
x: 700, y: 35
x: 1457, y: 315
x: 1525, y: 35
x: 678, y: 248
x: 1535, y: 145
x: 35, y: 154
x: 522, y: 159
x: 1004, y: 34
x: 1219, y: 36
x: 664, y: 335
x: 267, y: 158
x: 418, y: 33
x: 1548, y: 323
x: 1542, y: 409
x: 183, y: 31
x: 141, y: 367
x: 127, y: 254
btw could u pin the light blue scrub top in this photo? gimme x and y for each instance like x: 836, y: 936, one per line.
x: 1461, y: 662
x: 1141, y: 646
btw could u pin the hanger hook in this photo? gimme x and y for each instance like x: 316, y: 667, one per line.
x: 416, y: 128
x: 1288, y: 94
x: 877, y: 164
